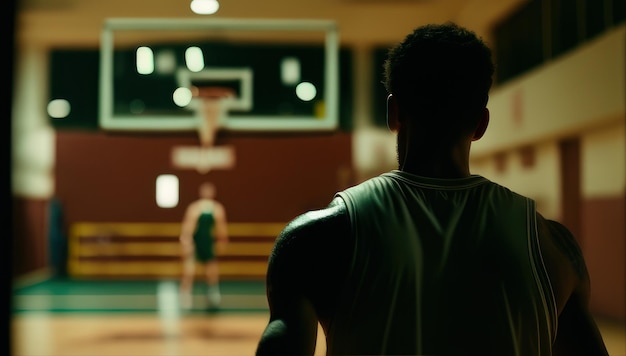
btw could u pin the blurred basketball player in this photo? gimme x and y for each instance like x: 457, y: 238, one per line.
x: 203, y: 234
x: 430, y: 259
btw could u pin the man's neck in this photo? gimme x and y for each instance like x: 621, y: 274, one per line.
x: 448, y: 163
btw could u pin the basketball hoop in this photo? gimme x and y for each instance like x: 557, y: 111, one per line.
x: 212, y: 106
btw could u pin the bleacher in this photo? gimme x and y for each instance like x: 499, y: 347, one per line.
x: 147, y: 250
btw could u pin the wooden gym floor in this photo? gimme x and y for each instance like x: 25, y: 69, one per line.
x: 113, y: 318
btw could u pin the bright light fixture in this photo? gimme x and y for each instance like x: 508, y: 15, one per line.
x: 204, y: 7
x: 167, y: 191
x: 59, y: 108
x: 182, y: 96
x: 145, y: 60
x: 306, y: 91
x: 194, y: 59
x: 290, y: 70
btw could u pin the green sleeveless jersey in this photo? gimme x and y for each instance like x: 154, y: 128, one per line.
x: 442, y: 267
x: 203, y: 237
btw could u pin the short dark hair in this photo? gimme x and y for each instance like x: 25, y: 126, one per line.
x: 443, y: 72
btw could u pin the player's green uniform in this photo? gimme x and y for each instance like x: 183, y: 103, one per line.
x: 442, y: 266
x: 203, y: 237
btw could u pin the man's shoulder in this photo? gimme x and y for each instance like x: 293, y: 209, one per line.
x: 314, y: 222
x: 312, y: 239
x: 313, y: 232
x: 561, y: 239
x: 554, y: 229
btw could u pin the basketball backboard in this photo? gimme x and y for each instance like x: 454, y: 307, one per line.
x: 283, y: 73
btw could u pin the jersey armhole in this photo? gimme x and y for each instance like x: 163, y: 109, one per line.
x: 539, y: 267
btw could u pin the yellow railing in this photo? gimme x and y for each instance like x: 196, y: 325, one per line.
x: 245, y: 258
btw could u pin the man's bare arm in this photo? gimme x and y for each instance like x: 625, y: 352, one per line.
x: 306, y: 273
x: 221, y: 227
x: 577, y: 332
x: 187, y: 228
x: 292, y: 328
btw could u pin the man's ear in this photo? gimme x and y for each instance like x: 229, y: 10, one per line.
x: 393, y: 121
x: 482, y: 125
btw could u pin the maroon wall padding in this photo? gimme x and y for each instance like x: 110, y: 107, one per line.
x: 30, y: 233
x: 604, y: 232
x: 571, y: 186
x: 111, y: 177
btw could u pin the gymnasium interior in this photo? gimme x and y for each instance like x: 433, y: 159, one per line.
x: 102, y: 162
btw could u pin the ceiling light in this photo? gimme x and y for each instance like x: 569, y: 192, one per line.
x: 204, y: 7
